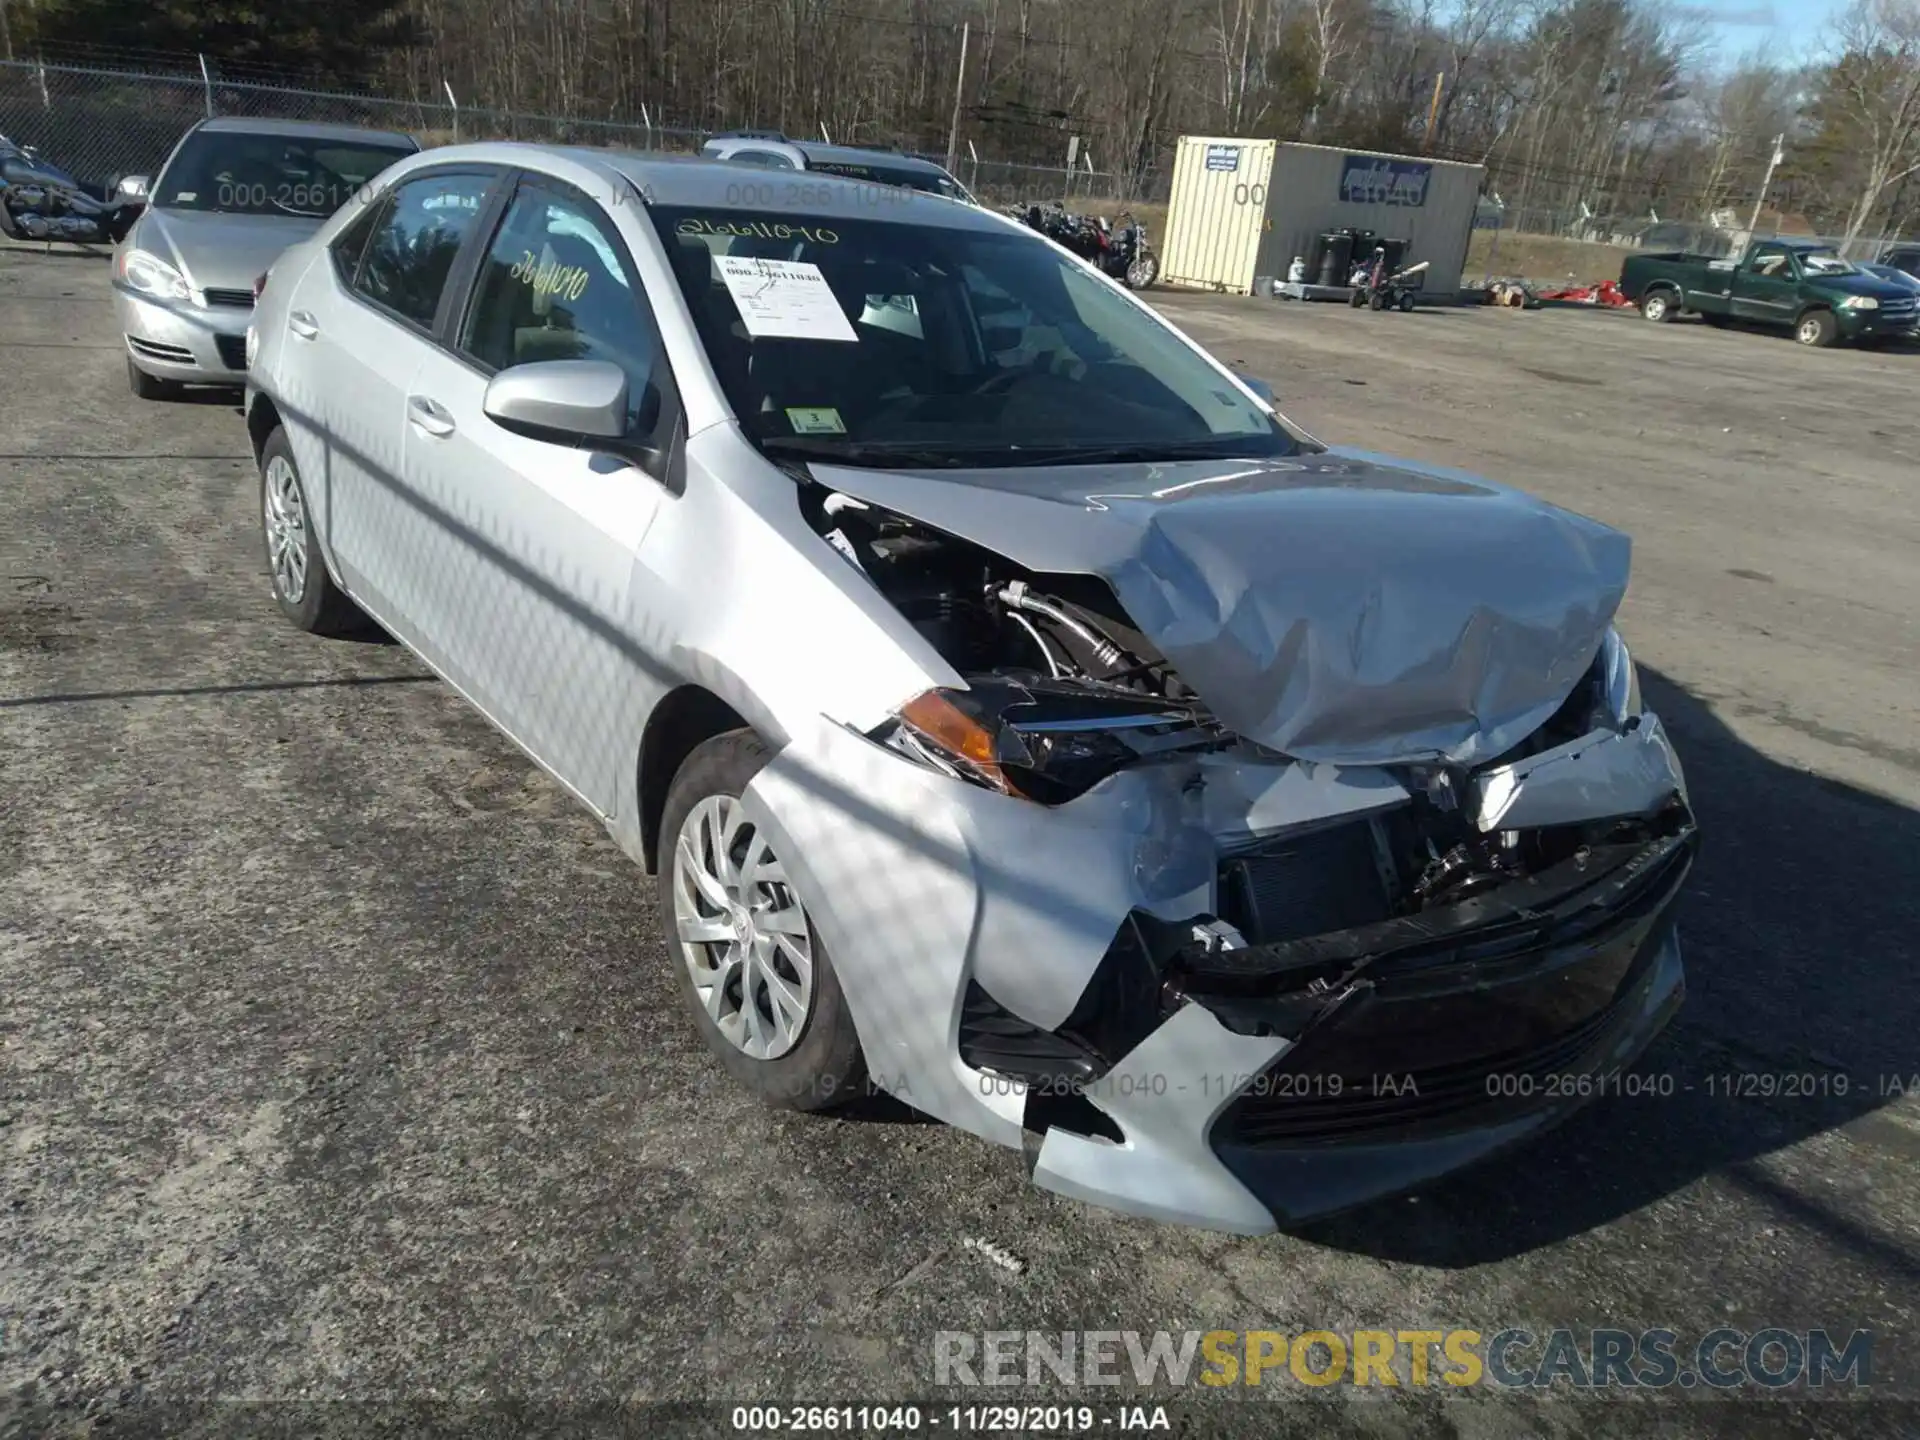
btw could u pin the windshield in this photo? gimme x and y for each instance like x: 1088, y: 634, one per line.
x: 1824, y: 262
x: 874, y: 342
x: 233, y: 173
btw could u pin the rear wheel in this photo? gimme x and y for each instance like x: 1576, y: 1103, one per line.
x: 758, y: 981
x: 301, y: 584
x: 1406, y: 302
x: 1817, y: 328
x: 150, y: 387
x: 1658, y: 306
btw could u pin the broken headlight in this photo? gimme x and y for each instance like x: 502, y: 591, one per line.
x: 1044, y: 740
x: 1618, y: 681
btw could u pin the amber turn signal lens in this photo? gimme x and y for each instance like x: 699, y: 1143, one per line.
x: 958, y: 733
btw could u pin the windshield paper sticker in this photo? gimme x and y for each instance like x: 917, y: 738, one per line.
x: 815, y: 420
x: 784, y: 299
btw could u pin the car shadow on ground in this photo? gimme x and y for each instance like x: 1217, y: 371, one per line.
x: 1797, y: 928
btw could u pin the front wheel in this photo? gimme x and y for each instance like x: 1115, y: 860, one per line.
x: 1143, y: 270
x: 1406, y: 302
x: 149, y: 387
x: 754, y: 975
x: 1659, y: 307
x: 1817, y: 328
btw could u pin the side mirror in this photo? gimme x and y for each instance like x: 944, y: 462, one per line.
x: 1259, y: 387
x: 581, y: 403
x: 134, y: 187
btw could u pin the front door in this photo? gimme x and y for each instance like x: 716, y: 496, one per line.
x: 527, y: 593
x: 1767, y: 286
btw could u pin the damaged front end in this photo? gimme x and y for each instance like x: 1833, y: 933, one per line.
x: 1314, y: 983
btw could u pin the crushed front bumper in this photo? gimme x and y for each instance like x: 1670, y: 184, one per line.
x: 1018, y: 969
x: 193, y: 344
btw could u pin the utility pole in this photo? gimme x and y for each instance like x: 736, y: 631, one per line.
x: 959, y: 90
x: 1433, y: 110
x: 1759, y: 200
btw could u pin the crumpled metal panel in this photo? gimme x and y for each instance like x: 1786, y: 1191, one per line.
x: 1336, y: 607
x: 1596, y: 777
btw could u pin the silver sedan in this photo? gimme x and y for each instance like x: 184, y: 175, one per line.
x: 233, y: 194
x: 1038, y: 728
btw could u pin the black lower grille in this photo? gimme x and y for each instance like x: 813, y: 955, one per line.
x: 1467, y: 1036
x: 239, y: 299
x: 233, y: 350
x: 1286, y: 1104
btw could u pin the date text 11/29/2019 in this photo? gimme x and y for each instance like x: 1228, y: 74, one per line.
x: 907, y: 1419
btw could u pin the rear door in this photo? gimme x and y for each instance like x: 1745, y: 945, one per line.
x: 526, y: 592
x: 1767, y: 286
x: 365, y: 322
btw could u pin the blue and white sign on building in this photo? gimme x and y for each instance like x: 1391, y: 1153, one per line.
x: 1223, y: 157
x: 1374, y: 180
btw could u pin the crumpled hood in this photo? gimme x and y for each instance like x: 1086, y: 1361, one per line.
x: 1342, y: 607
x: 221, y: 252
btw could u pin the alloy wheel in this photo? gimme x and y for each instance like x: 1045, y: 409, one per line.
x: 285, y: 515
x: 743, y: 932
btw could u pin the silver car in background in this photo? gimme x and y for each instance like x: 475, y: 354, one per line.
x: 1038, y: 728
x: 771, y: 150
x: 233, y: 194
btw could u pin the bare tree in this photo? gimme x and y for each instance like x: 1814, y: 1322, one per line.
x: 1870, y: 101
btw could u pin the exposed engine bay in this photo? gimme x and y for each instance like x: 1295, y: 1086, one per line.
x: 1063, y: 691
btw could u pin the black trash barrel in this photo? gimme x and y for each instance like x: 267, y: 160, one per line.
x: 1336, y: 257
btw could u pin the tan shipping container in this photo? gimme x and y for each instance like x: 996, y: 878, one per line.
x: 1224, y: 226
x: 1217, y: 212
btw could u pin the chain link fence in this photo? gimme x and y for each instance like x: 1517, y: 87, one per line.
x: 102, y: 121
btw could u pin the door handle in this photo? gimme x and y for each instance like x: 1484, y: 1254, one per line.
x: 428, y: 416
x: 302, y: 323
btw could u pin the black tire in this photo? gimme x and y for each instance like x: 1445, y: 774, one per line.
x: 1376, y: 301
x: 1660, y: 306
x: 1406, y: 302
x: 825, y: 1066
x: 1817, y: 328
x: 150, y: 387
x: 1357, y: 299
x: 320, y: 607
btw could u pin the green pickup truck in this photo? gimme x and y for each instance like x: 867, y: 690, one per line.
x: 1799, y: 284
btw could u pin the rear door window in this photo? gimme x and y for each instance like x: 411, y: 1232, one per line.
x: 412, y: 248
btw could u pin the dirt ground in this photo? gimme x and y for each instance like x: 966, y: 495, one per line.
x: 339, y: 1060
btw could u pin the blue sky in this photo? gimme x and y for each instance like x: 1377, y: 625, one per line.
x: 1787, y: 29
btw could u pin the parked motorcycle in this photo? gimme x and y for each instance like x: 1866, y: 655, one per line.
x: 1129, y: 257
x: 41, y: 201
x: 1122, y: 253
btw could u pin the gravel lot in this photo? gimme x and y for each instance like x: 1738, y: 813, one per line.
x: 338, y: 1057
